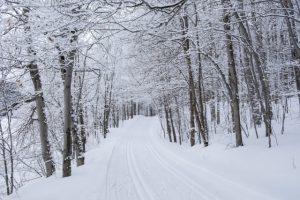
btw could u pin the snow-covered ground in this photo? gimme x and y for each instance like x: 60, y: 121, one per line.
x: 135, y: 163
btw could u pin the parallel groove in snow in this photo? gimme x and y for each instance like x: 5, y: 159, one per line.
x: 197, y: 188
x: 217, y: 179
x: 139, y: 184
x: 107, y: 185
x: 142, y: 181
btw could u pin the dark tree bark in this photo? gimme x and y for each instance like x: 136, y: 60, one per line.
x: 107, y: 103
x: 264, y: 95
x: 67, y: 62
x: 178, y: 121
x: 3, y: 148
x: 233, y: 80
x: 186, y: 49
x: 43, y: 125
x: 295, y: 46
x: 131, y: 109
x: 167, y: 121
x: 39, y: 101
x: 172, y: 126
x: 200, y: 109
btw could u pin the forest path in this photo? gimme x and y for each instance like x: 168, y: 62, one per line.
x: 142, y: 168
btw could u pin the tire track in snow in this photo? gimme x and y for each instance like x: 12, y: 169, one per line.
x: 107, y: 185
x: 139, y: 185
x: 190, y: 183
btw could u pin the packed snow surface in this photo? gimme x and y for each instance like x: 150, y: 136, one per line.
x: 135, y: 163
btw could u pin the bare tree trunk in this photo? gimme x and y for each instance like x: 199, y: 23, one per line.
x: 10, y: 151
x: 43, y: 125
x: 186, y: 49
x: 8, y: 146
x: 134, y: 108
x: 40, y: 103
x: 233, y: 80
x: 263, y: 78
x: 199, y: 125
x: 201, y: 111
x: 284, y: 107
x: 131, y: 109
x: 266, y: 106
x: 67, y: 153
x: 67, y: 63
x: 124, y: 112
x: 107, y: 103
x: 127, y: 111
x: 106, y: 108
x: 76, y: 151
x: 167, y: 121
x: 117, y: 117
x: 178, y: 121
x: 83, y: 136
x: 172, y: 126
x: 295, y: 50
x: 218, y: 108
x: 79, y: 134
x: 105, y: 120
x: 3, y: 148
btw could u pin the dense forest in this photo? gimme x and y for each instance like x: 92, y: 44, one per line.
x: 73, y: 69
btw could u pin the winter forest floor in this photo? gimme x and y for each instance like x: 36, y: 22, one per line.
x: 135, y: 163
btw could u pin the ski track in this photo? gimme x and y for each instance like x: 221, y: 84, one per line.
x: 107, y: 181
x: 140, y: 186
x: 182, y: 163
x: 111, y: 177
x: 140, y: 167
x: 190, y: 183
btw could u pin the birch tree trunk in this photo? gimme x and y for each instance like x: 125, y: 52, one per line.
x: 78, y: 128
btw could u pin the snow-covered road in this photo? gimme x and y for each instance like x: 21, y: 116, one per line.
x: 141, y: 168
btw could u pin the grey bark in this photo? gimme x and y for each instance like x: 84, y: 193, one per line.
x: 3, y: 148
x: 295, y: 48
x: 178, y: 121
x: 67, y: 62
x: 43, y: 125
x: 233, y: 80
x: 265, y: 93
x: 107, y: 104
x: 40, y: 102
x: 186, y: 49
x: 78, y: 124
x: 168, y: 127
x: 200, y: 109
x: 172, y: 126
